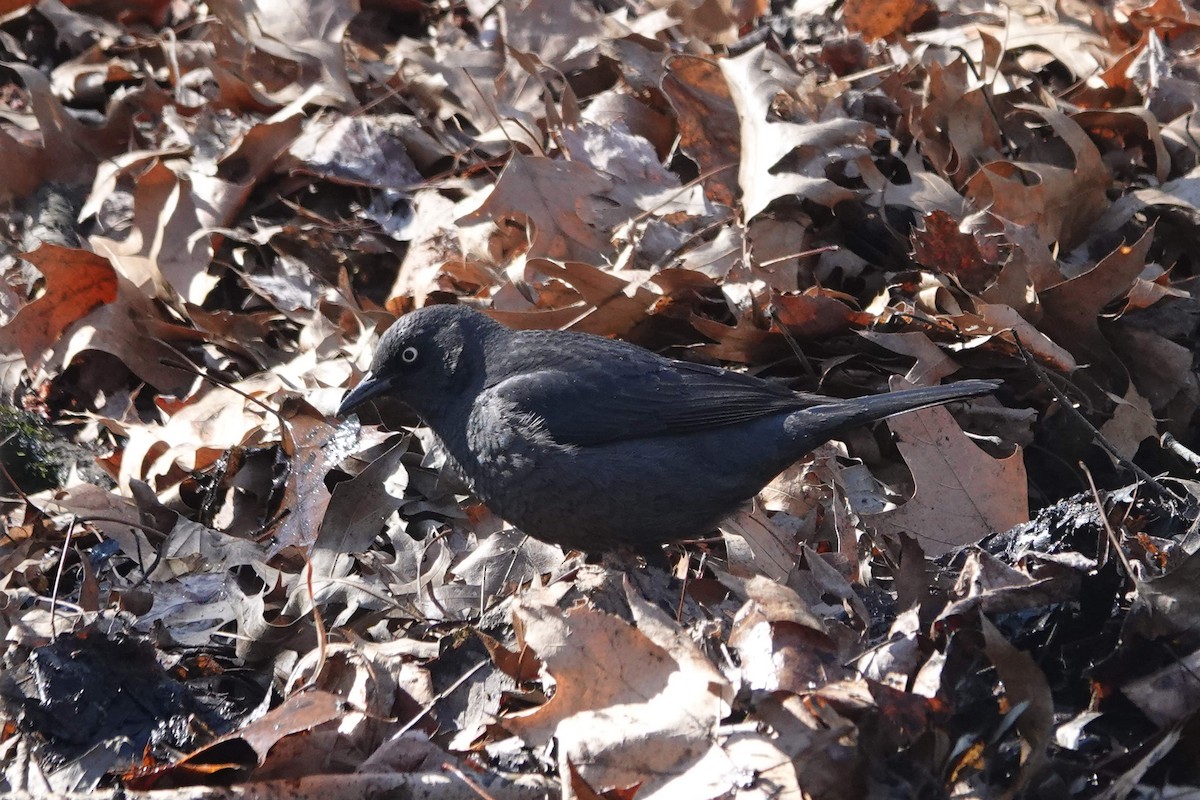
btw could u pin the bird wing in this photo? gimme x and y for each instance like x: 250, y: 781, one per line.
x: 622, y: 393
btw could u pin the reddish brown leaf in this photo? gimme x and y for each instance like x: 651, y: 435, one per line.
x: 942, y: 246
x: 77, y: 282
x: 879, y: 20
x: 708, y: 129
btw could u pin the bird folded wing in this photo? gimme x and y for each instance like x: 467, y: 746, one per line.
x: 661, y: 402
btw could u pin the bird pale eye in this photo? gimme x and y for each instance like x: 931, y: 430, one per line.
x: 408, y: 355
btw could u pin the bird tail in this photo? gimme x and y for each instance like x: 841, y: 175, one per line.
x: 844, y: 414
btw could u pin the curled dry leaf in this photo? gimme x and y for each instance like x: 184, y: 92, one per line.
x: 630, y: 706
x: 778, y: 157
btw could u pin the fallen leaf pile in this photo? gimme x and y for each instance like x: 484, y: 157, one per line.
x: 208, y: 583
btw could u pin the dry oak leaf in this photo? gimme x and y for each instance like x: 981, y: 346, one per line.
x: 308, y: 33
x: 1060, y: 202
x: 77, y: 282
x: 68, y: 151
x: 1132, y: 423
x: 305, y: 437
x: 707, y: 119
x: 611, y: 305
x: 1074, y: 44
x: 931, y: 362
x: 559, y: 199
x: 299, y: 714
x: 178, y: 205
x: 1162, y: 371
x: 942, y: 244
x: 632, y: 705
x: 197, y: 431
x: 1182, y: 192
x: 1073, y: 307
x: 962, y: 493
x: 781, y: 158
x: 563, y: 35
x: 87, y: 305
x: 955, y: 130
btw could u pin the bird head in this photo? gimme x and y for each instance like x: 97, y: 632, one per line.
x: 426, y: 359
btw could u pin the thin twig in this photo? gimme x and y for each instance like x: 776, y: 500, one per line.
x: 62, y: 563
x: 442, y: 695
x: 773, y: 313
x: 1112, y: 535
x: 1173, y: 445
x: 1077, y: 415
x: 474, y: 786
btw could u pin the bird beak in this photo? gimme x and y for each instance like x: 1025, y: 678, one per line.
x: 370, y: 387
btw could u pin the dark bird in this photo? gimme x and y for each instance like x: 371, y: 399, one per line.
x: 600, y: 445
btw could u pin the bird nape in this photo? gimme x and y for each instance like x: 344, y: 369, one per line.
x: 600, y: 445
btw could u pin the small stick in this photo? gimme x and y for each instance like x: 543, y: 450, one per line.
x: 1097, y: 436
x: 1173, y: 445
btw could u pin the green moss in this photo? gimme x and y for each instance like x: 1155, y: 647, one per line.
x: 29, y: 450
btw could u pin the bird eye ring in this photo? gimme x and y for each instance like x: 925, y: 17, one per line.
x: 408, y: 355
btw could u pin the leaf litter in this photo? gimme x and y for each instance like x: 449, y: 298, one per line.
x: 213, y: 210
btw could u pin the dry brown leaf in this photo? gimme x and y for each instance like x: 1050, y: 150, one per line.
x: 780, y: 158
x: 617, y: 304
x: 1073, y: 307
x: 614, y: 107
x: 85, y: 499
x: 955, y: 128
x: 994, y: 319
x: 299, y: 714
x: 986, y: 583
x: 1162, y: 372
x: 556, y: 198
x: 305, y: 435
x: 1128, y: 131
x: 159, y: 255
x: 879, y: 20
x: 1131, y: 423
x: 743, y: 342
x: 564, y: 36
x: 180, y: 206
x: 354, y: 150
x: 1060, y: 202
x: 945, y: 247
x: 708, y: 131
x: 357, y: 510
x: 715, y: 21
x: 1024, y: 683
x: 757, y: 546
x: 962, y: 493
x: 308, y: 34
x: 77, y: 282
x: 1168, y: 695
x: 1163, y: 16
x: 817, y: 313
x: 931, y: 362
x: 1072, y: 44
x: 68, y: 151
x: 631, y: 705
x: 198, y: 430
x: 781, y: 644
x: 128, y: 326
